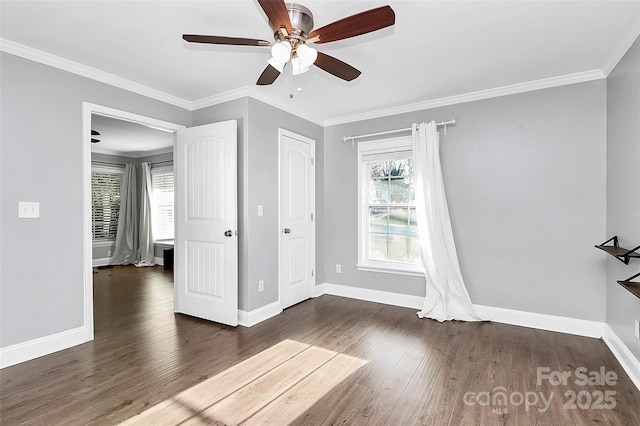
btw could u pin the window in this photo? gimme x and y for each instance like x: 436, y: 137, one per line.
x: 162, y: 202
x: 105, y: 202
x: 388, y: 233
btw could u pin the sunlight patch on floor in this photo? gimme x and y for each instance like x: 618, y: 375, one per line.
x: 273, y: 387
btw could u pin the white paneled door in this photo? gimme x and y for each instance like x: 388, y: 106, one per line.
x: 206, y: 243
x: 297, y: 222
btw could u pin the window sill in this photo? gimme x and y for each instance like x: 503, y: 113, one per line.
x: 390, y: 270
x: 164, y: 243
x: 103, y: 243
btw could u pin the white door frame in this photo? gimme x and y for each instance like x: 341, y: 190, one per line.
x: 88, y: 109
x: 283, y: 132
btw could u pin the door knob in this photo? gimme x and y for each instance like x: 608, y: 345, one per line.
x: 287, y: 231
x: 228, y: 233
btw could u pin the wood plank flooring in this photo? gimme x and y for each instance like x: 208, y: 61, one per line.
x: 325, y: 361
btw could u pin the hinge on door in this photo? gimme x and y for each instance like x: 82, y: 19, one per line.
x: 312, y: 272
x: 312, y: 161
x: 312, y: 217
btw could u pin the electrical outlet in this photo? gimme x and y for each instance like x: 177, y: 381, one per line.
x: 261, y: 285
x: 28, y: 209
x: 108, y: 253
x: 338, y: 268
x: 636, y: 328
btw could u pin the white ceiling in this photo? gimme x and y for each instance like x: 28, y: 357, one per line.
x: 436, y: 51
x: 119, y: 137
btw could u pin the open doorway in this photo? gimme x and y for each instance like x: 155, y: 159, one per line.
x: 123, y: 138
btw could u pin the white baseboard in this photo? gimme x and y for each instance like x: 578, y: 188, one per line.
x: 101, y: 261
x: 377, y: 296
x: 36, y: 348
x: 248, y: 319
x: 507, y: 316
x: 560, y: 324
x: 104, y: 261
x: 629, y: 362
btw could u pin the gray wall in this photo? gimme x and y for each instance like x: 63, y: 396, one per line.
x: 235, y: 110
x: 258, y: 125
x: 623, y: 191
x: 525, y: 179
x: 264, y: 122
x: 41, y: 290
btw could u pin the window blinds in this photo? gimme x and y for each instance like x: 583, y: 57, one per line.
x: 105, y: 203
x: 162, y: 199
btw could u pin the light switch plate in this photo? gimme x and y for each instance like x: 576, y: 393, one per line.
x: 28, y: 209
x: 260, y: 210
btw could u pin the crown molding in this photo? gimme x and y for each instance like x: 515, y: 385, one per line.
x: 286, y: 107
x: 89, y: 72
x: 546, y: 83
x: 220, y: 98
x: 246, y: 91
x: 623, y: 47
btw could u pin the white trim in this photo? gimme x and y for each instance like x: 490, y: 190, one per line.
x: 319, y: 290
x: 390, y: 270
x: 258, y: 94
x: 101, y: 261
x: 377, y: 296
x: 249, y: 319
x: 132, y: 154
x: 220, y: 98
x: 87, y: 266
x: 530, y: 86
x: 103, y: 243
x: 578, y: 327
x: 312, y: 201
x: 629, y: 362
x: 290, y: 107
x: 556, y: 323
x: 89, y: 72
x: 25, y: 351
x: 623, y: 48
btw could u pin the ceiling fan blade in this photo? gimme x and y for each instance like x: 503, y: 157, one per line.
x: 355, y: 25
x: 95, y: 133
x: 95, y: 140
x: 277, y: 13
x: 336, y: 67
x: 268, y: 76
x: 236, y: 41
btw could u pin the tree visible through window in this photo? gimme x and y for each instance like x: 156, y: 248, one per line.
x: 393, y: 233
x: 387, y: 232
x: 105, y: 203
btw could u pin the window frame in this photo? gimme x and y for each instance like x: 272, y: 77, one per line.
x: 156, y: 170
x: 386, y: 149
x: 111, y: 169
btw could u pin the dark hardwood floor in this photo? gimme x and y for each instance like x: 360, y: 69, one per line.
x: 328, y: 360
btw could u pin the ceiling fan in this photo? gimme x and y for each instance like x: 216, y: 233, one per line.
x: 293, y: 25
x: 95, y: 133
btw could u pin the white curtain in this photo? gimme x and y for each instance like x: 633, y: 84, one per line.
x: 145, y: 237
x: 446, y: 295
x: 124, y: 252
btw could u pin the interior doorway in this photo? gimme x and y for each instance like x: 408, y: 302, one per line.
x: 92, y: 110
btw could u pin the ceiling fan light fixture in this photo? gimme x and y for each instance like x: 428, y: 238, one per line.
x: 298, y: 66
x: 307, y: 55
x: 281, y: 51
x: 279, y: 65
